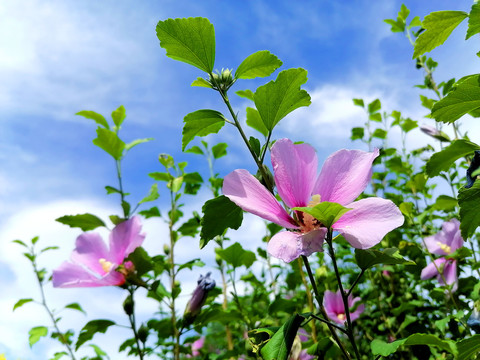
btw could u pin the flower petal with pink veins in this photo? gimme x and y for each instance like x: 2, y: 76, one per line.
x: 344, y: 175
x: 333, y: 303
x: 295, y: 171
x: 358, y: 311
x: 368, y: 222
x: 246, y: 191
x: 450, y: 272
x: 74, y: 275
x: 285, y: 246
x: 89, y: 248
x: 125, y: 238
x: 434, y: 244
x: 430, y: 270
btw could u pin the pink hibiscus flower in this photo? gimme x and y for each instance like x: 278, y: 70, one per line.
x: 93, y: 264
x: 335, y: 309
x: 343, y: 177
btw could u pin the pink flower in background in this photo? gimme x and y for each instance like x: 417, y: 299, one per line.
x: 445, y: 242
x: 343, y: 177
x: 197, y: 345
x: 335, y: 309
x: 93, y: 264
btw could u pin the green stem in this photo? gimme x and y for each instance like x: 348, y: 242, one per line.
x: 131, y: 318
x: 120, y: 187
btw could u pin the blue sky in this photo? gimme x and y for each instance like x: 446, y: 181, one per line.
x: 60, y: 57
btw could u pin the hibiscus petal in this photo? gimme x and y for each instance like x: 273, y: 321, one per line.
x: 285, y: 246
x: 430, y: 270
x: 453, y: 235
x: 73, y: 275
x: 356, y: 314
x: 333, y: 304
x: 434, y: 242
x: 295, y: 171
x: 450, y: 272
x: 89, y: 249
x: 312, y: 241
x: 247, y: 192
x: 369, y: 221
x: 125, y: 238
x: 344, y: 175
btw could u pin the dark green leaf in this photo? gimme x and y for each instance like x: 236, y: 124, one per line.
x: 438, y: 27
x: 374, y: 106
x: 98, y: 118
x: 190, y: 228
x: 380, y: 347
x: 326, y: 212
x: 152, y: 212
x: 85, y: 222
x: 236, y: 256
x: 278, y: 98
x: 189, y: 40
x: 201, y: 123
x: 255, y: 145
x: 464, y: 98
x: 255, y: 121
x: 152, y: 195
x: 260, y: 64
x: 112, y: 190
x: 473, y: 21
x: 468, y: 200
x: 219, y: 150
x: 279, y: 346
x: 110, y: 142
x: 75, y: 306
x: 36, y: 333
x: 368, y: 258
x: 219, y: 214
x: 247, y: 94
x: 90, y: 329
x: 118, y: 116
x: 379, y: 133
x: 468, y: 347
x: 20, y: 303
x: 442, y: 160
x: 142, y: 261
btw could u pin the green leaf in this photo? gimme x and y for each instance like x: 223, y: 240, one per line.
x: 136, y: 142
x: 112, y: 190
x: 152, y: 212
x: 98, y: 118
x: 75, y: 306
x: 326, y: 212
x: 119, y: 115
x: 255, y: 145
x: 36, y: 333
x: 468, y: 347
x: 255, y: 121
x: 236, y: 256
x: 357, y: 133
x: 278, y: 98
x: 247, y: 94
x: 176, y: 184
x: 201, y: 123
x: 379, y: 133
x: 219, y: 214
x: 260, y: 64
x: 110, y: 142
x: 368, y: 258
x: 152, y: 195
x: 396, y: 25
x: 408, y: 125
x: 161, y: 176
x: 279, y: 346
x: 359, y: 102
x: 195, y: 150
x: 473, y: 21
x: 415, y: 22
x: 442, y: 160
x: 469, y: 209
x: 374, y: 106
x: 380, y: 347
x: 190, y: 40
x: 201, y: 82
x: 445, y: 203
x: 20, y: 303
x: 85, y: 222
x: 219, y: 150
x: 90, y: 329
x: 190, y: 228
x: 403, y: 13
x: 142, y: 261
x: 438, y: 27
x: 462, y: 99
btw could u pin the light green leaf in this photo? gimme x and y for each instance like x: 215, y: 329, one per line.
x: 442, y: 160
x: 36, y: 333
x: 438, y: 27
x: 469, y: 209
x: 219, y: 150
x: 219, y: 214
x: 189, y: 40
x: 380, y: 347
x: 75, y: 306
x: 85, y: 222
x: 462, y: 99
x: 260, y: 64
x: 90, y: 329
x: 247, y: 94
x: 279, y: 346
x: 98, y: 118
x: 368, y: 258
x: 468, y: 347
x: 201, y: 82
x: 374, y: 106
x: 161, y: 176
x: 255, y: 121
x: 326, y: 212
x: 20, y: 303
x: 473, y: 21
x: 278, y: 98
x: 359, y: 102
x: 176, y: 184
x: 195, y: 150
x: 445, y: 203
x: 201, y: 123
x: 152, y: 195
x: 136, y: 142
x: 236, y: 256
x: 119, y: 115
x: 110, y: 142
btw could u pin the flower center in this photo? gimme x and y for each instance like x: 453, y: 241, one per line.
x: 309, y: 223
x: 444, y: 247
x: 106, y: 265
x: 341, y: 316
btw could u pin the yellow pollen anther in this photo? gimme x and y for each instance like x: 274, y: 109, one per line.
x: 444, y: 247
x: 106, y: 265
x: 341, y: 317
x: 315, y: 200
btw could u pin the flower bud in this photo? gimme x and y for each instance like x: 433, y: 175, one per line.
x: 199, y: 296
x: 166, y: 249
x: 143, y: 333
x: 128, y: 305
x: 437, y: 134
x: 222, y: 80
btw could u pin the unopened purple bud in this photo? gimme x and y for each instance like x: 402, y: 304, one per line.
x: 437, y: 134
x: 199, y: 296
